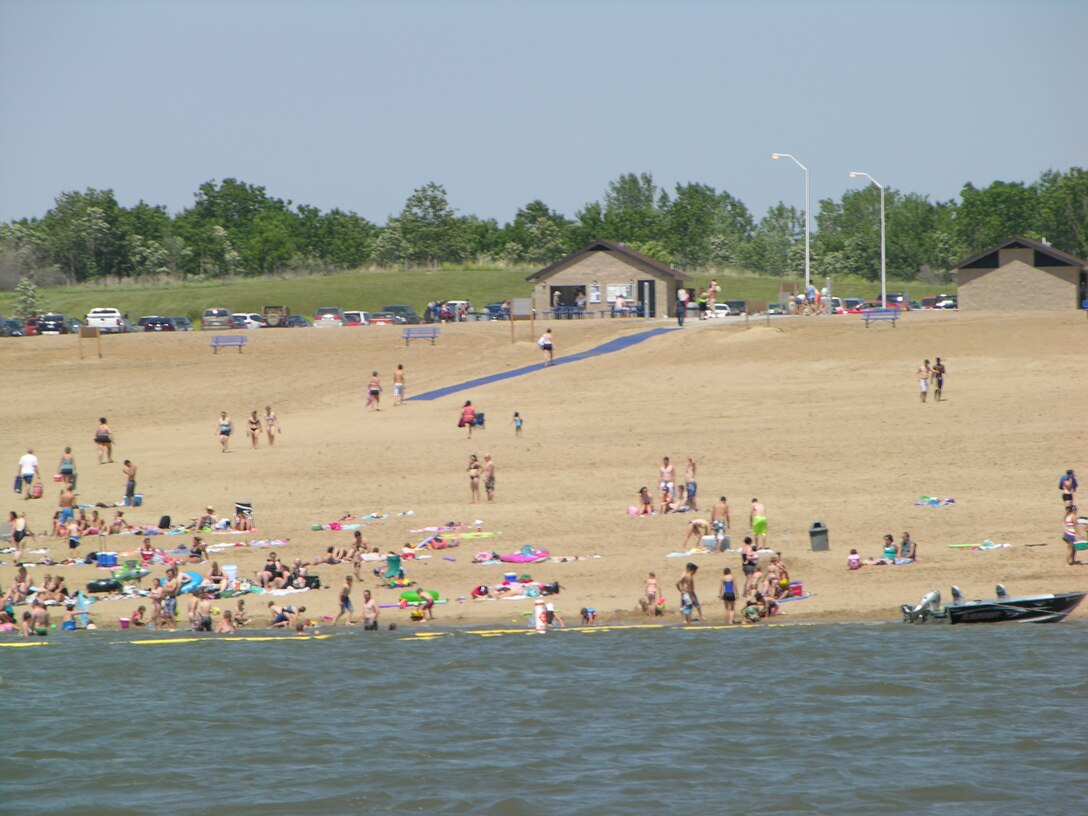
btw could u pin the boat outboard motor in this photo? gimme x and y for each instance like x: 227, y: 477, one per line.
x: 957, y: 596
x: 1002, y: 593
x: 928, y: 607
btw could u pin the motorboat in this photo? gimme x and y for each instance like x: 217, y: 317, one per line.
x: 1002, y: 609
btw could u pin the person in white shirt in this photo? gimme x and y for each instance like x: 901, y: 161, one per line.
x: 28, y: 470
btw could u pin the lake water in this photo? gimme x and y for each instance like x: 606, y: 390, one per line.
x: 835, y: 719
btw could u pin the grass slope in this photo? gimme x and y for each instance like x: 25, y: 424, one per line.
x: 370, y: 290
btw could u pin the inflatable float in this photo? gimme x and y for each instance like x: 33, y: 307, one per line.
x: 104, y: 585
x: 527, y: 555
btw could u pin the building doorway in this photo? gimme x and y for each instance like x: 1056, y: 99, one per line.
x: 647, y: 297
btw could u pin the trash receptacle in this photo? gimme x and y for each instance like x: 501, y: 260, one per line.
x: 817, y: 536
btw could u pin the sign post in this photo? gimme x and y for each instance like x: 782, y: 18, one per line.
x: 90, y: 331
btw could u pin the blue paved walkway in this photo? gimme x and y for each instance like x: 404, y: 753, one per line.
x: 605, y: 348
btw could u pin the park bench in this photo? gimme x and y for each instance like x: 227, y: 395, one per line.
x: 880, y: 314
x: 237, y: 341
x: 420, y: 333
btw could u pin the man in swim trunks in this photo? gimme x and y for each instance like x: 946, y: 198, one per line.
x: 489, y: 476
x: 370, y: 612
x: 345, y: 602
x: 373, y: 391
x: 757, y: 516
x: 170, y: 589
x: 923, y: 375
x: 28, y: 469
x: 938, y: 379
x: 668, y: 476
x: 719, y: 520
x: 698, y: 528
x: 398, y: 385
x: 686, y: 587
x: 129, y: 470
x: 67, y: 505
x: 690, y: 484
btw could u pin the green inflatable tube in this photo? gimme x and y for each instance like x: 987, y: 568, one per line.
x: 412, y: 596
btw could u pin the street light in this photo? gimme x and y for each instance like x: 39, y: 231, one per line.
x: 883, y: 267
x: 807, y: 230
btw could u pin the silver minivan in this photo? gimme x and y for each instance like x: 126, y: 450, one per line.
x: 216, y: 319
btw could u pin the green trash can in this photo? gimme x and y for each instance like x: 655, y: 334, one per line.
x: 817, y: 536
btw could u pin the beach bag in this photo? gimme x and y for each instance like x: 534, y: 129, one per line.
x: 36, y: 490
x: 19, y: 483
x: 164, y: 523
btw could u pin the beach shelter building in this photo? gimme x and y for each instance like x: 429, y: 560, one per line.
x: 1021, y: 274
x: 601, y: 272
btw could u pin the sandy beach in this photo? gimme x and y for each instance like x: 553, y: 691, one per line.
x: 819, y: 418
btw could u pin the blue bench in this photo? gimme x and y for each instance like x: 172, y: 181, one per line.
x: 568, y: 312
x: 880, y: 314
x: 420, y: 333
x: 237, y: 341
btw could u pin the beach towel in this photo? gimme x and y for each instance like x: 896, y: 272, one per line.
x: 930, y: 501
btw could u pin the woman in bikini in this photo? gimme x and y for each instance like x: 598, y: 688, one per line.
x: 67, y: 467
x: 103, y: 437
x: 1069, y: 533
x: 474, y: 478
x: 373, y: 391
x: 271, y: 425
x: 254, y: 428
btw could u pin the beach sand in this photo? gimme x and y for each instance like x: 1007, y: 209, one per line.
x: 819, y: 418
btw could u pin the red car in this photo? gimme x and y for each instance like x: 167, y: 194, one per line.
x: 383, y: 319
x: 31, y: 326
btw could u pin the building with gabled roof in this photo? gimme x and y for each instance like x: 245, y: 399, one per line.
x: 1021, y: 274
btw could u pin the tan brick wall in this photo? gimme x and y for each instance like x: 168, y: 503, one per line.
x: 605, y: 268
x: 1018, y: 286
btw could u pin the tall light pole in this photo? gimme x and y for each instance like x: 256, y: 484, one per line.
x: 883, y: 266
x: 808, y: 268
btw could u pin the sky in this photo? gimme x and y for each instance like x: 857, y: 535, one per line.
x: 353, y: 104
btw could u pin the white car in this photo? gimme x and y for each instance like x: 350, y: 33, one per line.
x: 109, y: 321
x: 251, y: 320
x: 721, y: 310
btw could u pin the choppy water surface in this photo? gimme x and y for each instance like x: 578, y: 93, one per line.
x: 805, y: 719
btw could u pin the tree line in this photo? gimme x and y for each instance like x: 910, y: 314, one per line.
x: 234, y: 228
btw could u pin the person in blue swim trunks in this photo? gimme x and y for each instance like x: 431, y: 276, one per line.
x: 686, y: 588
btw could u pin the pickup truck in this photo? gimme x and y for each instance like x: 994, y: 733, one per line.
x: 108, y: 321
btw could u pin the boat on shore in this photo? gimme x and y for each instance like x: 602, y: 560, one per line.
x: 1004, y: 608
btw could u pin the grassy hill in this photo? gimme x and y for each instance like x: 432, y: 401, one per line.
x: 370, y: 290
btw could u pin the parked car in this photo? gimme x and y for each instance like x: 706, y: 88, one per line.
x: 898, y: 300
x: 237, y: 321
x: 251, y: 320
x: 950, y: 302
x: 123, y: 327
x: 736, y: 307
x: 276, y: 316
x: 354, y: 317
x: 851, y: 305
x: 53, y: 323
x: 932, y: 302
x: 10, y: 327
x: 721, y: 310
x: 777, y: 309
x: 216, y: 319
x: 159, y: 324
x: 297, y: 322
x: 407, y: 312
x: 494, y: 311
x: 141, y: 321
x: 109, y: 321
x: 328, y: 317
x: 385, y: 319
x: 182, y: 323
x: 74, y: 325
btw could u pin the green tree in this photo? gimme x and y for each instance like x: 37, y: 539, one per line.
x: 86, y: 235
x: 655, y: 250
x: 431, y: 231
x: 27, y: 299
x: 390, y: 248
x: 768, y: 250
x: 991, y: 215
x: 1063, y: 210
x: 633, y: 209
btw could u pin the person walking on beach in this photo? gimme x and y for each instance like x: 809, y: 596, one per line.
x: 729, y: 595
x: 373, y: 391
x: 682, y: 297
x: 489, y: 477
x: 668, y: 476
x: 271, y: 427
x: 398, y: 386
x: 129, y: 470
x: 690, y: 485
x: 518, y: 422
x: 254, y: 429
x: 67, y: 467
x: 1068, y: 487
x: 224, y: 428
x: 686, y: 587
x: 938, y: 379
x: 103, y: 437
x: 28, y: 471
x: 923, y: 375
x: 345, y: 602
x: 758, y: 518
x: 468, y: 417
x: 547, y: 345
x: 474, y: 478
x: 719, y: 520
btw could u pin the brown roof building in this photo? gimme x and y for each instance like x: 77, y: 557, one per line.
x: 1021, y: 274
x: 603, y: 272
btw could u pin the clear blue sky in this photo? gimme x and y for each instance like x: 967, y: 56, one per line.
x: 348, y: 104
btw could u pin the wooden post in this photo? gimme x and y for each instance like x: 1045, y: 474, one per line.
x: 510, y: 320
x: 90, y: 331
x: 532, y: 320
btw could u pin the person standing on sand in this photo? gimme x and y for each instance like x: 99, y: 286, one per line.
x: 650, y: 590
x: 690, y: 484
x: 1068, y: 487
x: 345, y: 602
x: 103, y: 437
x: 719, y: 520
x: 749, y: 560
x: 468, y: 417
x: 757, y: 516
x: 129, y: 470
x: 518, y: 422
x: 667, y: 476
x: 373, y: 391
x: 67, y: 467
x: 254, y: 429
x: 682, y: 297
x: 923, y: 374
x: 712, y: 293
x: 729, y: 595
x: 271, y: 427
x: 547, y: 345
x: 28, y: 470
x: 224, y: 428
x: 474, y: 478
x: 398, y: 386
x: 489, y: 477
x: 1069, y: 533
x: 938, y: 379
x: 370, y: 612
x: 170, y: 589
x: 686, y: 587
